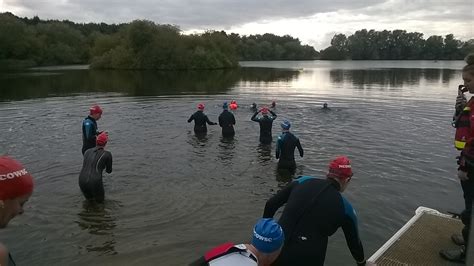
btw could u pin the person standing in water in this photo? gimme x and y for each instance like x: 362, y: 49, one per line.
x: 285, y: 150
x: 16, y: 187
x: 253, y: 107
x: 233, y: 105
x: 95, y: 161
x: 89, y: 128
x: 266, y: 123
x: 325, y: 106
x: 314, y: 210
x: 227, y: 121
x: 200, y: 120
x: 464, y: 141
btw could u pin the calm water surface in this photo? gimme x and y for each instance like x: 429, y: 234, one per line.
x: 173, y: 195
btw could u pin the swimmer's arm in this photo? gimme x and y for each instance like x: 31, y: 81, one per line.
x: 108, y: 163
x: 254, y: 117
x: 191, y: 118
x: 275, y: 202
x: 300, y: 149
x: 274, y: 116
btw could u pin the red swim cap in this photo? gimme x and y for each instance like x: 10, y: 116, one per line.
x: 264, y: 111
x: 15, y: 181
x: 200, y: 106
x: 102, y: 139
x: 95, y: 109
x: 340, y: 168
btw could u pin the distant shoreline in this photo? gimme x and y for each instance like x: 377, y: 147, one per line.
x: 61, y: 67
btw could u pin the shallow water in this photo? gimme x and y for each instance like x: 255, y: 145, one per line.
x: 172, y: 195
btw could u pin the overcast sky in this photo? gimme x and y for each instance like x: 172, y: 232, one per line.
x: 314, y: 22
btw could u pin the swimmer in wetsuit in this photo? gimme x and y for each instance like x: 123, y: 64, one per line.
x: 266, y: 123
x: 95, y: 161
x: 200, y: 120
x: 227, y: 121
x: 315, y: 209
x: 253, y: 107
x: 89, y: 128
x: 285, y: 150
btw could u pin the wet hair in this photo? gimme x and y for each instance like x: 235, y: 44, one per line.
x: 470, y: 64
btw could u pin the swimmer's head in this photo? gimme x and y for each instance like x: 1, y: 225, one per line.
x: 16, y: 187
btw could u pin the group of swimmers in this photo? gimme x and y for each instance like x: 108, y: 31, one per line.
x: 314, y: 209
x: 298, y: 238
x: 286, y: 144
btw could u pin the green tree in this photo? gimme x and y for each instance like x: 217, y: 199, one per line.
x: 433, y: 48
x: 451, y: 47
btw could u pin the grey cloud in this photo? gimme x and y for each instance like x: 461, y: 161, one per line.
x: 185, y: 13
x: 345, y: 16
x: 423, y: 10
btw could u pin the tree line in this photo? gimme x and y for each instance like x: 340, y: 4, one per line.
x: 142, y: 44
x: 395, y: 45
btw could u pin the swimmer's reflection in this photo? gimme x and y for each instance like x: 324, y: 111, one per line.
x: 226, y: 149
x: 285, y: 176
x: 99, y: 221
x: 264, y: 153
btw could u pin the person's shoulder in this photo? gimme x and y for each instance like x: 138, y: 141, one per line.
x: 348, y: 209
x: 304, y: 178
x: 90, y: 150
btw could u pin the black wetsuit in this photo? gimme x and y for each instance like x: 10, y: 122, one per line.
x: 314, y: 210
x: 266, y: 123
x: 90, y: 179
x: 227, y: 122
x: 89, y: 133
x: 200, y: 120
x: 285, y: 150
x: 467, y: 164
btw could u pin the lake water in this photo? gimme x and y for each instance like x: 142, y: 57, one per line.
x: 172, y: 195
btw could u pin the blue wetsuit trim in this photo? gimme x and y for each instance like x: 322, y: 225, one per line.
x: 304, y: 178
x: 350, y: 211
x: 88, y: 126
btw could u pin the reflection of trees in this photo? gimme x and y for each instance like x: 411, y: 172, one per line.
x: 98, y: 221
x: 17, y: 86
x: 393, y: 77
x: 267, y: 74
x: 226, y: 150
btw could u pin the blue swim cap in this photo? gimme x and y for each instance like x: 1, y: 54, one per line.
x: 285, y: 124
x: 268, y: 236
x: 225, y: 106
